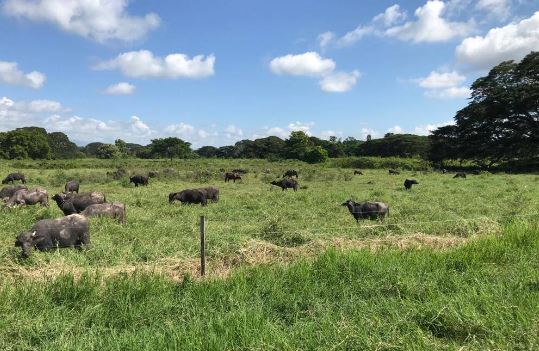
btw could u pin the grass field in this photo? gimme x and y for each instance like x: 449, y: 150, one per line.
x: 473, y: 283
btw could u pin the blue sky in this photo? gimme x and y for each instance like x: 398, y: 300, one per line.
x: 215, y: 72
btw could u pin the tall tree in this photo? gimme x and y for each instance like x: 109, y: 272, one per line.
x: 170, y: 147
x: 62, y: 147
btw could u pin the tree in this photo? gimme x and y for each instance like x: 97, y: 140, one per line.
x: 316, y: 154
x: 400, y: 145
x: 297, y: 145
x: 61, y: 146
x: 91, y: 149
x: 28, y: 142
x: 107, y: 151
x: 170, y: 147
x: 501, y: 121
x: 122, y: 147
x: 207, y: 151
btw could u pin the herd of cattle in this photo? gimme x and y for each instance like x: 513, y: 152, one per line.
x: 72, y: 230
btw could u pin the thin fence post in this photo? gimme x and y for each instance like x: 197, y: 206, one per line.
x: 202, y: 245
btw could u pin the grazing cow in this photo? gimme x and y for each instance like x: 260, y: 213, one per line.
x: 367, y: 210
x: 393, y: 172
x: 291, y: 173
x: 210, y: 193
x: 232, y: 176
x: 114, y: 210
x: 29, y: 197
x: 70, y: 231
x: 72, y: 187
x: 358, y: 172
x: 8, y: 191
x: 286, y: 183
x: 117, y: 174
x: 460, y: 175
x: 12, y: 177
x: 188, y: 196
x: 240, y: 171
x: 76, y: 203
x: 409, y: 182
x: 138, y: 179
x: 153, y: 174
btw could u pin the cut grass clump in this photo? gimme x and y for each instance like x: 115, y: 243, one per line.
x: 276, y: 233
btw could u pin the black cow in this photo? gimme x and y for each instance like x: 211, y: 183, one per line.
x: 76, y: 203
x: 29, y: 197
x: 291, y: 173
x: 460, y: 175
x: 188, y: 196
x: 12, y: 177
x: 286, y: 183
x: 139, y: 179
x: 367, y: 210
x: 9, y: 190
x: 393, y: 172
x: 70, y: 231
x: 409, y: 182
x: 358, y: 172
x: 113, y: 210
x: 72, y: 187
x: 210, y: 193
x: 232, y: 176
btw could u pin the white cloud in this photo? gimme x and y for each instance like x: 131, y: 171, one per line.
x: 301, y: 126
x: 449, y: 93
x: 511, y: 42
x: 326, y: 134
x: 444, y: 85
x: 428, y: 128
x: 121, y: 88
x: 307, y: 64
x: 339, y: 82
x: 278, y: 132
x: 10, y: 74
x: 356, y: 35
x: 100, y: 20
x: 430, y: 26
x: 182, y: 129
x: 499, y: 9
x: 233, y: 132
x: 143, y: 64
x: 138, y: 126
x: 395, y: 130
x: 365, y: 132
x: 391, y: 16
x: 324, y: 39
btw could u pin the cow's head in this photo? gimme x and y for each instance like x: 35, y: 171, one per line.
x: 27, y: 240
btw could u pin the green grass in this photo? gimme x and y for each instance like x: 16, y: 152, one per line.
x: 483, y: 295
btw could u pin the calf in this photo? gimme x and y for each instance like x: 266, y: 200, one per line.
x: 72, y: 187
x: 188, y: 196
x: 232, y: 176
x: 409, y: 182
x: 291, y: 173
x: 138, y: 179
x: 76, y: 203
x: 358, y: 172
x: 393, y: 172
x: 8, y: 191
x: 70, y: 231
x: 460, y: 175
x: 367, y: 210
x: 286, y: 183
x: 12, y: 177
x: 29, y: 197
x: 114, y: 210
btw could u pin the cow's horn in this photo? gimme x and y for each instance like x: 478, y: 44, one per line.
x: 34, y: 233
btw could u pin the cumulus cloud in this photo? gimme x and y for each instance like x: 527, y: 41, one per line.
x: 392, y: 15
x: 339, y: 82
x: 11, y: 74
x: 395, y: 130
x: 143, y: 64
x: 499, y: 9
x: 233, y: 132
x: 307, y: 64
x: 121, y: 88
x: 100, y: 20
x: 426, y: 129
x: 365, y: 132
x: 355, y: 35
x: 326, y: 134
x: 444, y: 85
x: 138, y: 126
x: 430, y: 26
x: 301, y: 126
x: 511, y: 42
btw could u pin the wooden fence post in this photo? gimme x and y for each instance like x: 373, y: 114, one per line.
x: 202, y: 245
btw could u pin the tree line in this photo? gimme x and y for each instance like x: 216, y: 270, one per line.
x: 500, y: 124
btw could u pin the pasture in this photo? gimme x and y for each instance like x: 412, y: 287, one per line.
x: 449, y: 253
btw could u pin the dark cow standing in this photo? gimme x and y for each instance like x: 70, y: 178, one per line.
x: 29, y: 197
x: 409, y: 182
x: 188, y: 196
x: 12, y: 177
x: 72, y: 187
x: 358, y: 172
x: 460, y: 175
x: 367, y: 210
x: 232, y: 176
x: 285, y: 184
x: 210, y: 193
x: 70, y: 231
x: 114, y: 210
x: 76, y: 203
x: 393, y: 172
x: 139, y: 179
x: 8, y: 191
x: 291, y: 173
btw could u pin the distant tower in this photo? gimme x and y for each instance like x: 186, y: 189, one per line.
x: 369, y: 137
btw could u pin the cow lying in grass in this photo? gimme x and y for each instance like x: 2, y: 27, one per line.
x: 367, y: 210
